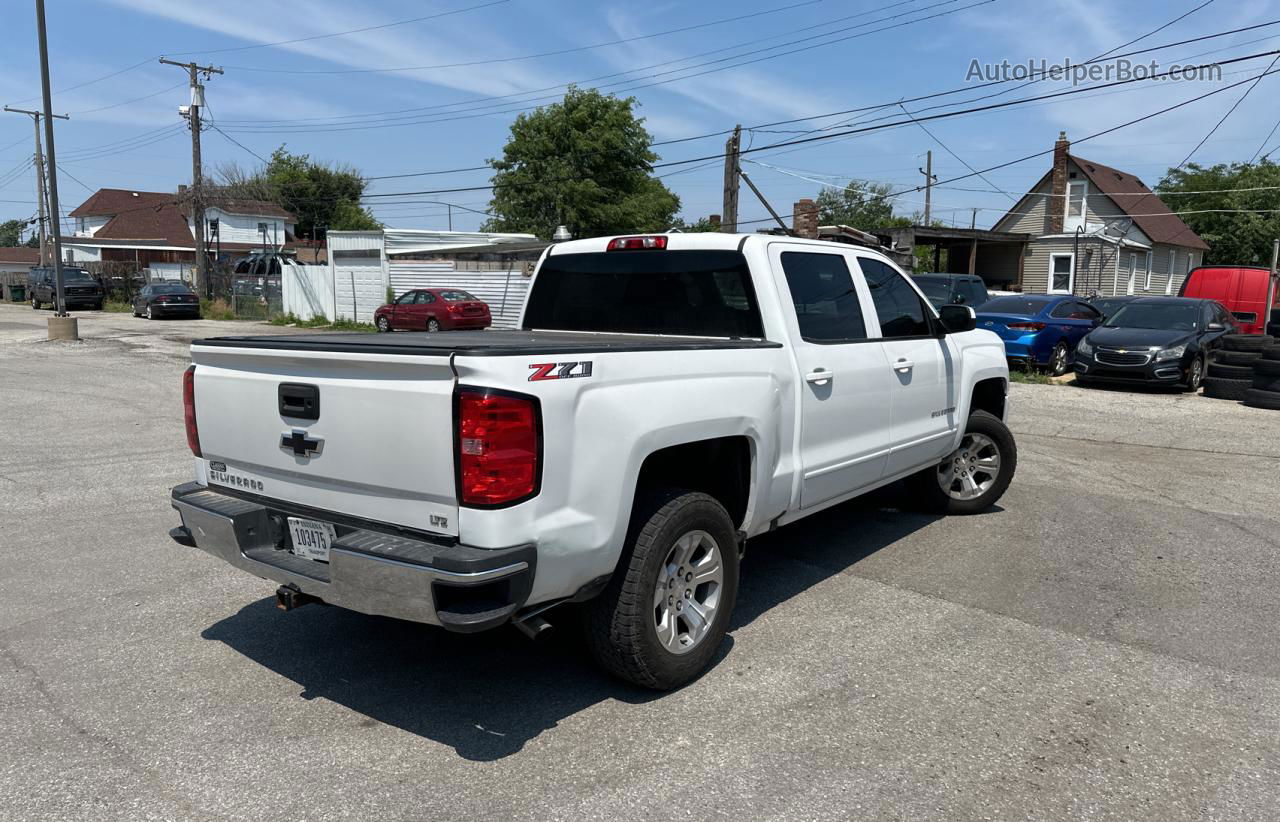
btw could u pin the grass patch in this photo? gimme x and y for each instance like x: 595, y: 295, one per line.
x: 321, y: 322
x: 117, y: 307
x: 1030, y: 377
x: 215, y: 309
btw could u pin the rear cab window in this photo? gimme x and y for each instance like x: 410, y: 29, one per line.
x: 679, y: 293
x: 823, y: 296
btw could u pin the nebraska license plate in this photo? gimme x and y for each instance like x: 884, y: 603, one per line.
x: 311, y: 538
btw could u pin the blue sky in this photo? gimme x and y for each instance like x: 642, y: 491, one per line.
x: 331, y: 97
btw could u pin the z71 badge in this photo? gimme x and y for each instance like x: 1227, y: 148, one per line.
x: 559, y: 370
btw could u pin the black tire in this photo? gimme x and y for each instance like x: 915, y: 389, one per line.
x: 1272, y: 353
x: 149, y: 314
x: 621, y: 632
x: 928, y: 488
x: 1256, y: 398
x: 384, y: 325
x: 35, y: 304
x: 433, y: 325
x: 1245, y: 342
x: 1266, y: 382
x: 1236, y: 357
x: 1230, y: 372
x: 1058, y: 360
x: 1195, y: 375
x: 1273, y: 330
x: 1223, y: 389
x: 1266, y: 368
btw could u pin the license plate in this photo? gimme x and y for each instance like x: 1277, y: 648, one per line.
x: 311, y: 538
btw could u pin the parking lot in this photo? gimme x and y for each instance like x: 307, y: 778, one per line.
x: 1101, y: 646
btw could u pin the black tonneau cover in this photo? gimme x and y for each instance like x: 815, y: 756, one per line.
x: 499, y: 343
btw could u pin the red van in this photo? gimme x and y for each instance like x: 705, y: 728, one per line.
x: 1241, y: 288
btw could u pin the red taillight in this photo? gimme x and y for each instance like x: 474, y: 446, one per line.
x: 497, y: 448
x: 162, y: 299
x: 189, y: 409
x: 453, y: 308
x: 656, y: 241
x: 1027, y: 326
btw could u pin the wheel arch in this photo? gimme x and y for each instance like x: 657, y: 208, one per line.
x: 721, y: 467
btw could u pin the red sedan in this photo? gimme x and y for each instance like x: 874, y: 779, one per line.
x: 433, y: 309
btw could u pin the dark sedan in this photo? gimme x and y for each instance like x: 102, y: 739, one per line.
x: 1110, y: 305
x: 166, y: 300
x: 1154, y: 341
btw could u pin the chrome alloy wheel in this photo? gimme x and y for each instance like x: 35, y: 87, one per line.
x: 687, y: 593
x: 971, y: 469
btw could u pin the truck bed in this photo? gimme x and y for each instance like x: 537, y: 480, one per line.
x: 499, y: 343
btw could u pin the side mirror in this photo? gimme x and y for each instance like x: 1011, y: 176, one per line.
x: 956, y: 319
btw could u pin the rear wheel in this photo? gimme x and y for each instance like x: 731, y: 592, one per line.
x: 433, y: 324
x: 1058, y: 360
x: 35, y: 304
x: 661, y: 619
x: 974, y: 476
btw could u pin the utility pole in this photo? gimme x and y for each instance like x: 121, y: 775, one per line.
x: 973, y: 246
x: 203, y: 280
x: 729, y: 220
x: 61, y: 327
x: 41, y: 197
x: 929, y: 179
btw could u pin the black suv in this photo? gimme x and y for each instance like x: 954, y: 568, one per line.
x: 79, y: 289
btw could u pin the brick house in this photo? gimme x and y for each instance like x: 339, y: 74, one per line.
x: 1095, y: 228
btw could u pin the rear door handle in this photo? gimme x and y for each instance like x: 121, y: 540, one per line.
x: 903, y: 365
x: 819, y: 376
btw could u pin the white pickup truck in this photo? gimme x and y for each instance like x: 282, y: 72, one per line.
x: 666, y: 398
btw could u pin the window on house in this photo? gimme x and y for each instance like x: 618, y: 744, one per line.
x: 1191, y: 262
x: 1075, y: 202
x: 1061, y: 273
x: 1147, y: 266
x: 1173, y: 266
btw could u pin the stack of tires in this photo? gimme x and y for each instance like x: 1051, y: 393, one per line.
x: 1265, y: 391
x: 1231, y: 372
x: 1273, y: 325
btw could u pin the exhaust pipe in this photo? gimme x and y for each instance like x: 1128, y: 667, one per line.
x: 533, y: 627
x: 289, y: 597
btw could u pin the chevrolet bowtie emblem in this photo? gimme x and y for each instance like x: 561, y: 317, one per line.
x: 1122, y: 351
x: 300, y: 444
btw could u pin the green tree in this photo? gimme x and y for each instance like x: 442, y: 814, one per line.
x: 322, y: 197
x: 698, y: 226
x: 1235, y: 223
x: 862, y: 204
x: 583, y: 163
x: 11, y: 232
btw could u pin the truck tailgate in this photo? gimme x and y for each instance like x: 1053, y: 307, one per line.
x: 381, y: 446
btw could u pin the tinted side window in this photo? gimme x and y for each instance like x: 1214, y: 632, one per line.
x: 897, y: 305
x: 1063, y: 311
x: 826, y: 305
x: 975, y: 293
x: 426, y: 297
x: 1084, y: 311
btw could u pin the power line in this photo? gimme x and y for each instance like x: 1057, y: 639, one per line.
x: 315, y: 37
x: 467, y: 114
x: 868, y: 108
x: 73, y: 177
x: 1230, y: 111
x: 733, y: 19
x: 944, y: 115
x: 1270, y: 134
x: 128, y: 102
x: 947, y: 149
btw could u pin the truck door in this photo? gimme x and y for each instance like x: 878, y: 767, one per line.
x: 923, y: 371
x: 844, y: 381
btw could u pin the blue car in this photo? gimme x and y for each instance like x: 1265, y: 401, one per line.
x: 1040, y: 329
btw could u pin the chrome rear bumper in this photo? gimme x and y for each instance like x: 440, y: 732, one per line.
x: 455, y: 586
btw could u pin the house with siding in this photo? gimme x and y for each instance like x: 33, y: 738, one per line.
x: 152, y: 229
x: 1094, y: 228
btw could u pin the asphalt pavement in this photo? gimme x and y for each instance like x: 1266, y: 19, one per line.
x: 1103, y: 645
